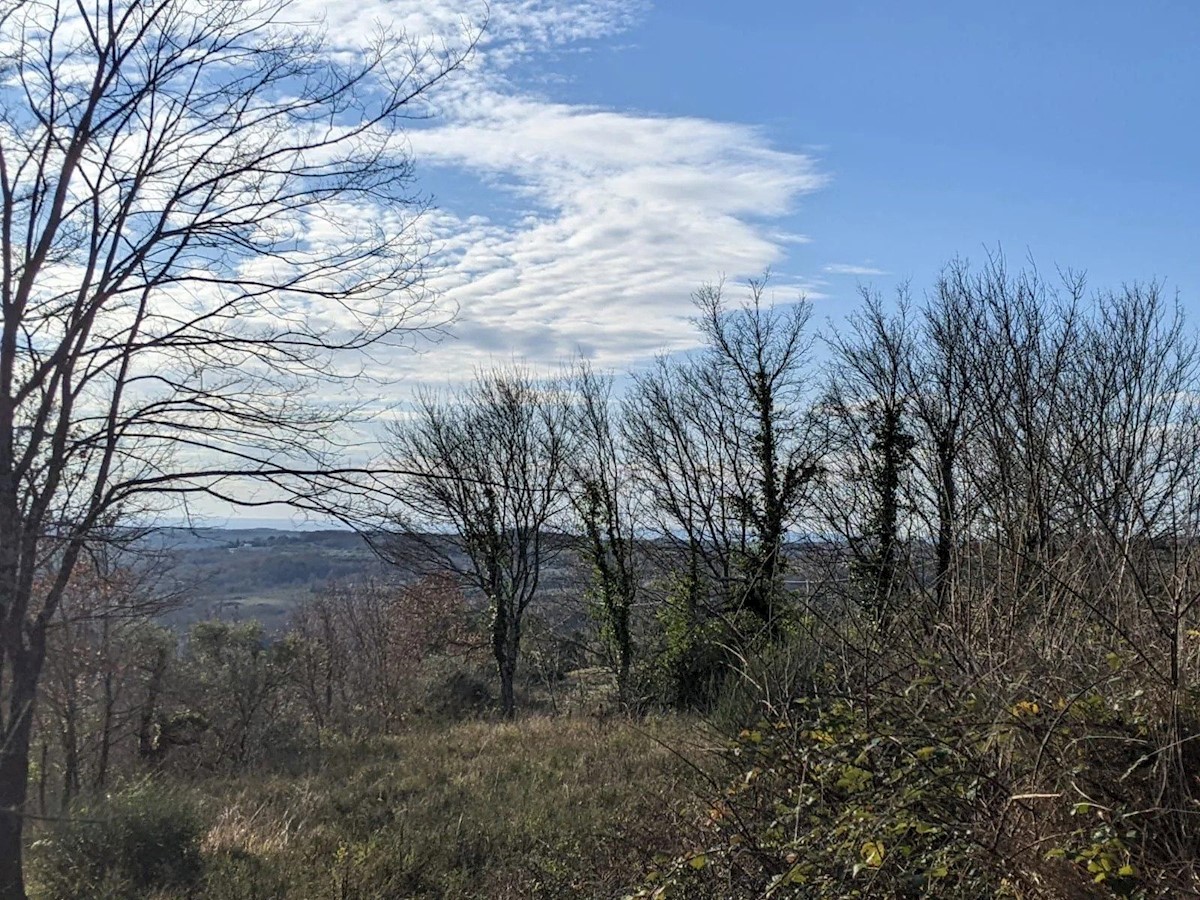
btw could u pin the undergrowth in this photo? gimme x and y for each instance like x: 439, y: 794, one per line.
x: 537, y: 808
x: 927, y: 783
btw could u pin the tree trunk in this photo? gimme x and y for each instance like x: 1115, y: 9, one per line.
x: 506, y: 644
x: 506, y: 663
x: 624, y: 654
x: 106, y: 730
x: 508, y: 669
x: 764, y: 578
x: 108, y: 711
x: 12, y: 884
x: 43, y: 778
x: 147, y: 747
x: 14, y: 773
x: 508, y: 701
x: 947, y: 511
x: 70, y: 745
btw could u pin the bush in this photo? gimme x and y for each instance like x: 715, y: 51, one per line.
x: 828, y: 802
x: 766, y: 679
x: 924, y: 788
x: 456, y: 693
x: 126, y: 846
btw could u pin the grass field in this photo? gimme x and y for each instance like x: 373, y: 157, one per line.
x: 544, y: 807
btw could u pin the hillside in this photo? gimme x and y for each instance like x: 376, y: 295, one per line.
x: 255, y: 573
x: 263, y: 573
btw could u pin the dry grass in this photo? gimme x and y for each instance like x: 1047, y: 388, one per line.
x: 543, y: 807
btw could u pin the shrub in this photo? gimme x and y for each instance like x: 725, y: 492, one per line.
x: 457, y: 692
x: 128, y: 845
x: 767, y: 678
x: 921, y: 788
x: 828, y: 802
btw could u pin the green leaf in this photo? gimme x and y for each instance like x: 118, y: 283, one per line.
x: 873, y: 853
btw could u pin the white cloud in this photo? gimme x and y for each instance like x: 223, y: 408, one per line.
x: 851, y: 269
x: 621, y: 214
x: 627, y: 214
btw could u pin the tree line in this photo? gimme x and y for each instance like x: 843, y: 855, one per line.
x: 987, y: 494
x: 923, y: 455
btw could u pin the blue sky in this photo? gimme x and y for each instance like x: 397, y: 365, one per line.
x: 1070, y: 129
x: 1067, y: 131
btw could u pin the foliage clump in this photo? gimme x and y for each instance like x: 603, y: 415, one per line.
x: 128, y: 845
x: 932, y: 783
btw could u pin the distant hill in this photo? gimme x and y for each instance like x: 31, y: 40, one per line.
x: 255, y: 573
x: 263, y: 573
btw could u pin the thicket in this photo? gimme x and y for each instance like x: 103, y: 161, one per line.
x: 993, y: 691
x: 933, y: 582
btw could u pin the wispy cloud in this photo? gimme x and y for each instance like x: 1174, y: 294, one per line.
x: 619, y: 215
x: 625, y: 215
x: 851, y: 269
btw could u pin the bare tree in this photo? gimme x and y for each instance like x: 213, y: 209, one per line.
x: 723, y: 446
x: 867, y: 406
x: 184, y: 248
x: 940, y: 375
x: 1133, y: 490
x: 360, y: 646
x: 93, y: 681
x: 489, y: 462
x: 1024, y: 350
x: 607, y: 506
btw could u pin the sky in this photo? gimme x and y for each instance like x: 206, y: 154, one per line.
x: 598, y: 160
x: 587, y: 181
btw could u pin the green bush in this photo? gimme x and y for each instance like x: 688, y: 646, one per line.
x: 828, y: 802
x: 142, y: 840
x: 920, y: 789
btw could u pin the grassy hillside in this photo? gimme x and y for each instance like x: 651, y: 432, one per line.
x: 544, y: 807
